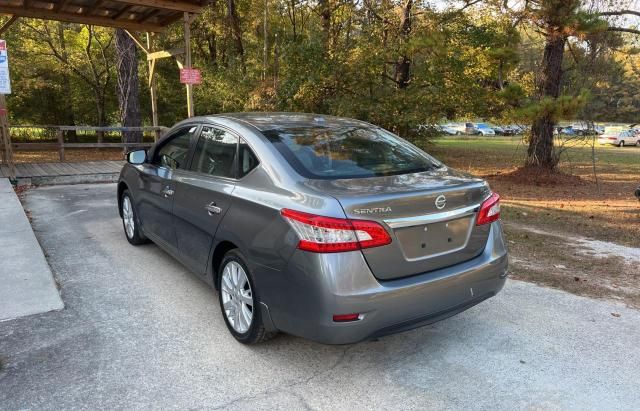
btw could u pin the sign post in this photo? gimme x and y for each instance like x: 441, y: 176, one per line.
x: 187, y: 63
x: 5, y: 88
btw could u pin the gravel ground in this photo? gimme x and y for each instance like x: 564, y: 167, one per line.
x: 139, y: 331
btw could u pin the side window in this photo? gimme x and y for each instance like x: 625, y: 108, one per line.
x: 174, y: 153
x: 248, y: 161
x: 215, y: 153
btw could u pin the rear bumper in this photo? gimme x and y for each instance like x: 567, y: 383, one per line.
x: 604, y: 142
x: 317, y: 286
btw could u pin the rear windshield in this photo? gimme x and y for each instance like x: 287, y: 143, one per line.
x: 348, y: 152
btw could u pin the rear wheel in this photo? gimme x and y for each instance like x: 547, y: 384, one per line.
x: 130, y: 221
x: 621, y: 144
x: 638, y: 143
x: 239, y: 302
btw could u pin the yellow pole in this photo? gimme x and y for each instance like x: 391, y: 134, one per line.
x: 187, y: 62
x: 152, y: 89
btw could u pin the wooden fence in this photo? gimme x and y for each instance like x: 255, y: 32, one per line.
x: 60, y: 145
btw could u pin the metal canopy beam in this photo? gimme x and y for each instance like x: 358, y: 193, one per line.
x: 132, y: 15
x: 183, y: 6
x: 80, y: 19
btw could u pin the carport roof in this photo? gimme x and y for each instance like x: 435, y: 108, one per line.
x: 133, y: 15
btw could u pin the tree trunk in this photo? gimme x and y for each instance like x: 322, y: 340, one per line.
x: 403, y: 65
x: 325, y: 17
x: 236, y: 31
x: 128, y: 85
x: 540, y: 152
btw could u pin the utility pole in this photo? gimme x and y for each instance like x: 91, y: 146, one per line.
x: 7, y: 151
x: 5, y: 88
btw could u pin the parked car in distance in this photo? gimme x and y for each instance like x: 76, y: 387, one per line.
x: 620, y: 139
x: 450, y: 130
x: 512, y: 130
x: 498, y: 130
x: 479, y: 129
x: 323, y: 227
x: 437, y: 129
x: 567, y: 131
x: 484, y: 130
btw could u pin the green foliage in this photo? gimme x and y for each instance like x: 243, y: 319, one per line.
x: 557, y: 108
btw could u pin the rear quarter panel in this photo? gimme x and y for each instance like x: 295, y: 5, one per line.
x: 254, y: 224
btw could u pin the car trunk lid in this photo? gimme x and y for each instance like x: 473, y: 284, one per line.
x: 430, y: 216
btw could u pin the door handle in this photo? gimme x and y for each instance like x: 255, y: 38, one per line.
x: 167, y: 192
x: 212, y: 208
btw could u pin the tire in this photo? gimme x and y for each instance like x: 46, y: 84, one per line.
x: 638, y: 143
x: 621, y: 143
x: 234, y: 287
x: 130, y: 220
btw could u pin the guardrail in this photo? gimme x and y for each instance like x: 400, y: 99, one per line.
x: 60, y: 145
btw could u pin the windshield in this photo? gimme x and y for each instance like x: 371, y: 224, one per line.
x: 347, y: 152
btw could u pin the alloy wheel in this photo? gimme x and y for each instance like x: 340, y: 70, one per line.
x: 237, y: 297
x: 127, y: 217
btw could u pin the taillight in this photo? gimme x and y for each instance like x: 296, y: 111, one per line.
x: 343, y: 318
x: 489, y: 210
x: 612, y: 138
x: 320, y: 234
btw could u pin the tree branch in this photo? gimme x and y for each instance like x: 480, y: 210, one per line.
x: 623, y: 30
x: 620, y: 13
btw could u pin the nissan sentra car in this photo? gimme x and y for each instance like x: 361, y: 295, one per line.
x: 328, y: 228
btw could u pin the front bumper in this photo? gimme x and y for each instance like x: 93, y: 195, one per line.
x: 303, y: 300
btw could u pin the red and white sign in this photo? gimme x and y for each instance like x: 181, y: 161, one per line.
x: 190, y: 76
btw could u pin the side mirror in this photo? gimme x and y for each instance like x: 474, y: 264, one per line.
x: 137, y: 157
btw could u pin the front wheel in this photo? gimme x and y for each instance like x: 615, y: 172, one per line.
x: 239, y: 302
x: 130, y: 221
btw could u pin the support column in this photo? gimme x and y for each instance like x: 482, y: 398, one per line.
x: 187, y: 62
x: 152, y: 89
x: 7, y: 155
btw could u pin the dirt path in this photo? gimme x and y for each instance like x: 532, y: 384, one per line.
x: 577, y: 264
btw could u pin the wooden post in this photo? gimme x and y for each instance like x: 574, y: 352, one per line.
x: 6, y: 138
x: 187, y: 62
x: 152, y: 90
x: 60, y: 135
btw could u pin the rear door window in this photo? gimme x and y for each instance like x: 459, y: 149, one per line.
x: 348, y: 152
x: 215, y: 153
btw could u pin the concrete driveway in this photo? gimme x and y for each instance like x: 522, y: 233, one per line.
x: 139, y: 331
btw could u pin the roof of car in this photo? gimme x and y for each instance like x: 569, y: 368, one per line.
x: 270, y: 121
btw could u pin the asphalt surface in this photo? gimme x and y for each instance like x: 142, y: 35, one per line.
x: 139, y: 331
